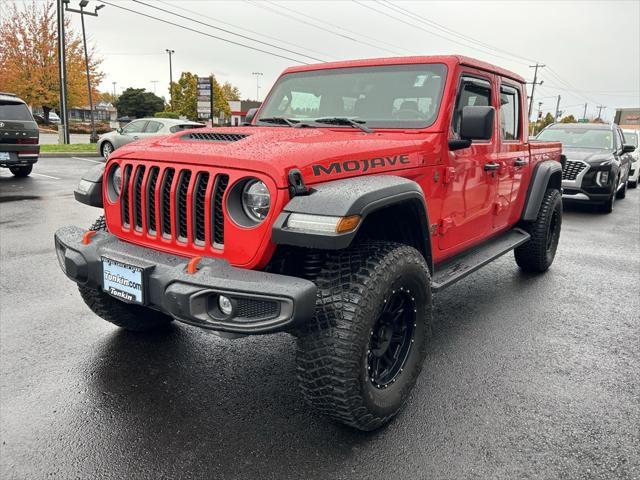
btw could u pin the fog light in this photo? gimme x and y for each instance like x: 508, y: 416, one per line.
x: 225, y: 305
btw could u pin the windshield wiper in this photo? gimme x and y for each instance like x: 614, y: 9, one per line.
x: 344, y: 121
x: 280, y: 120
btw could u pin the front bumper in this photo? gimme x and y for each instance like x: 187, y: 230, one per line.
x: 263, y: 302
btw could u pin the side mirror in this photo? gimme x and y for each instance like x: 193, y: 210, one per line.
x: 627, y: 148
x: 250, y: 114
x: 119, y: 130
x: 476, y: 123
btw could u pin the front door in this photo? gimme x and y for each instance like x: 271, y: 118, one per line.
x: 467, y: 209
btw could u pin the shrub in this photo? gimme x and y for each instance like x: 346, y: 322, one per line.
x: 167, y: 115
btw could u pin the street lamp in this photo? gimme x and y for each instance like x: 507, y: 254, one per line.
x: 170, y: 52
x: 257, y: 75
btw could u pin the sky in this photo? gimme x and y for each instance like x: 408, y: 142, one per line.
x: 591, y: 49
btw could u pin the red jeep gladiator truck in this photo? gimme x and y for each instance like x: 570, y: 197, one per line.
x: 355, y: 192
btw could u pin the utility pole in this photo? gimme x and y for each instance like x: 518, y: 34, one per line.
x: 257, y: 75
x: 600, y: 108
x: 584, y: 115
x: 83, y: 3
x: 114, y: 89
x: 535, y: 82
x: 62, y: 73
x: 170, y: 52
x: 557, y: 109
x: 154, y: 85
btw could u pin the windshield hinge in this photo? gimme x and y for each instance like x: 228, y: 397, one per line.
x: 296, y: 184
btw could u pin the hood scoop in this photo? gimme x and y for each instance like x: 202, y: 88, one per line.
x: 214, y: 136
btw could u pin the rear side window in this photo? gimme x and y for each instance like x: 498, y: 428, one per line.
x: 187, y: 126
x: 509, y: 113
x: 15, y: 111
x: 474, y: 92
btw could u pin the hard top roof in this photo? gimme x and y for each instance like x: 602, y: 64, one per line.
x: 584, y: 126
x: 446, y: 59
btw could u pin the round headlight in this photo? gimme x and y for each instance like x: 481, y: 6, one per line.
x: 116, y: 180
x: 256, y: 200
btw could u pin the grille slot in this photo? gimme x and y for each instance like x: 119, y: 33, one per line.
x: 165, y: 200
x: 250, y: 309
x: 215, y: 137
x: 125, y: 196
x: 199, y: 194
x: 222, y: 181
x: 137, y: 197
x: 151, y: 199
x: 572, y: 169
x: 181, y: 201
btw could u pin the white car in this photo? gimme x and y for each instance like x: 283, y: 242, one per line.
x: 632, y: 137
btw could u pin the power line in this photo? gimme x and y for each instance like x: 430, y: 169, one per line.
x: 203, y: 33
x: 226, y: 31
x: 315, y: 25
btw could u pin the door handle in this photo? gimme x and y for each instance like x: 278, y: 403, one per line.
x: 135, y: 137
x: 488, y: 167
x: 520, y: 162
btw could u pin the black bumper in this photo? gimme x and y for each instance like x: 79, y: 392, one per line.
x: 262, y: 302
x: 16, y: 160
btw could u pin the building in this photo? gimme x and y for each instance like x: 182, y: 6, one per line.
x: 628, y: 117
x: 239, y: 110
x: 102, y: 112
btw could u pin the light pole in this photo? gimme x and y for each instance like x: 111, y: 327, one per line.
x: 257, y: 75
x: 83, y: 3
x: 114, y: 89
x: 62, y: 72
x: 154, y: 85
x: 170, y: 52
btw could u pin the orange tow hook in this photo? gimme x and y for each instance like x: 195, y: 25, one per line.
x: 192, y: 266
x: 86, y: 238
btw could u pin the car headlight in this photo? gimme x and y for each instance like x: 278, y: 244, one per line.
x: 602, y: 178
x: 256, y: 200
x: 116, y: 179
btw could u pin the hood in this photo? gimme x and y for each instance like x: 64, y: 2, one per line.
x: 592, y: 156
x: 321, y: 154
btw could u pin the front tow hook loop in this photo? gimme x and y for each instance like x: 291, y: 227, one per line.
x: 86, y: 238
x: 192, y: 266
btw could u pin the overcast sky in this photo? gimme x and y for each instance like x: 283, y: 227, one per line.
x: 590, y: 46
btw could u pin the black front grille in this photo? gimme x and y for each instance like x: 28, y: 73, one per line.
x: 151, y: 205
x: 165, y: 201
x: 218, y: 214
x: 572, y: 169
x: 125, y: 195
x: 137, y: 197
x: 181, y: 192
x: 251, y: 309
x: 215, y: 136
x: 202, y: 182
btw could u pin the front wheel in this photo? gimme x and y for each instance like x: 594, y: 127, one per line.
x: 538, y: 253
x: 106, y: 149
x: 622, y: 192
x: 21, y: 172
x: 359, y: 359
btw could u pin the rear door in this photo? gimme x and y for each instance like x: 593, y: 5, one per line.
x: 513, y: 156
x: 467, y: 209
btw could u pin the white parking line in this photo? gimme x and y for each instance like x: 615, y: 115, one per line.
x: 43, y: 175
x: 86, y: 159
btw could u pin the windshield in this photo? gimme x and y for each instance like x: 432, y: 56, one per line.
x: 579, y: 137
x: 394, y: 96
x: 630, y: 138
x: 15, y: 111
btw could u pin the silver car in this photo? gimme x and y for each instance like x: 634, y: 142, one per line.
x: 139, y: 129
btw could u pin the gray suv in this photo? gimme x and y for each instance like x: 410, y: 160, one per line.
x: 19, y: 136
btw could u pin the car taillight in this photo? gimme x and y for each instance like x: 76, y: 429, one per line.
x: 26, y: 141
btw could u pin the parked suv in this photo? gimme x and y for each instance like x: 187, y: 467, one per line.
x: 597, y: 165
x: 357, y: 191
x: 632, y: 137
x: 19, y: 136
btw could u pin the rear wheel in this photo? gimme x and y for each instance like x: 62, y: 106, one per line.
x: 359, y: 359
x: 124, y: 315
x: 633, y: 184
x: 538, y: 254
x: 21, y: 172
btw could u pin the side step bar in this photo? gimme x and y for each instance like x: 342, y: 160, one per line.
x: 450, y: 271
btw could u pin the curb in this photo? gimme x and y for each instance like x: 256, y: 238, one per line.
x: 69, y: 155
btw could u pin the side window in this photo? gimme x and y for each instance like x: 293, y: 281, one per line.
x: 135, y: 127
x: 473, y: 92
x: 619, y: 138
x: 509, y: 113
x: 153, y: 127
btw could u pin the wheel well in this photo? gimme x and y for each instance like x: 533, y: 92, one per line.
x: 404, y: 222
x: 556, y: 180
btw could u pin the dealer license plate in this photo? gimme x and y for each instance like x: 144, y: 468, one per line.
x: 4, y: 156
x: 123, y: 281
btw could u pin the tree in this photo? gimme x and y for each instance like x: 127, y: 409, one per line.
x: 136, y: 102
x: 29, y: 62
x: 184, y: 94
x: 230, y: 91
x: 221, y: 107
x: 107, y: 98
x: 568, y: 119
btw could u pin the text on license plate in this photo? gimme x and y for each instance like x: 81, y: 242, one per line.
x: 122, y: 281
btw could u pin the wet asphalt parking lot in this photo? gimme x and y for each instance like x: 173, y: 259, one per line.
x: 526, y: 376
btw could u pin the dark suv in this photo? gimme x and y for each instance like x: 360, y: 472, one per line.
x: 597, y: 166
x: 19, y: 136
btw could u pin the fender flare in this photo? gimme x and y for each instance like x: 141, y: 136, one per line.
x: 89, y: 190
x: 549, y: 171
x: 352, y: 196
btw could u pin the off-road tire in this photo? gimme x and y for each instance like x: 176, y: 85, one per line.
x: 538, y: 253
x: 620, y: 194
x: 607, y: 207
x: 333, y: 352
x: 21, y: 172
x: 124, y: 315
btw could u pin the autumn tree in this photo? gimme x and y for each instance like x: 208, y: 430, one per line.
x: 231, y: 92
x: 569, y: 119
x: 29, y: 62
x: 184, y: 94
x: 107, y: 97
x: 220, y: 101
